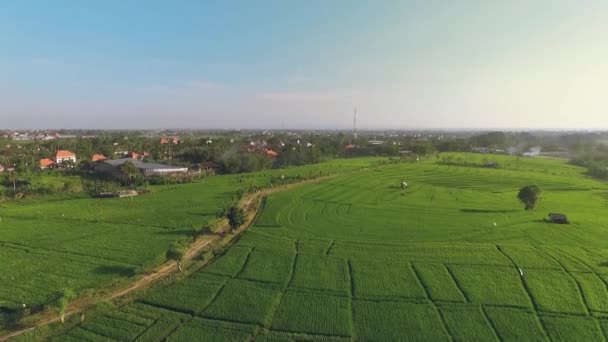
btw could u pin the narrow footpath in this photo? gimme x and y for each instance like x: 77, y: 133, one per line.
x: 250, y: 203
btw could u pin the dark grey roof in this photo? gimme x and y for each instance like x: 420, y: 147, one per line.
x: 141, y: 165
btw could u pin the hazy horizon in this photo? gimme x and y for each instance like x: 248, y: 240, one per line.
x: 484, y: 65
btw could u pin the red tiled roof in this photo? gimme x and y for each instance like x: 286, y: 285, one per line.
x: 46, y: 162
x: 97, y: 157
x: 271, y: 153
x: 64, y: 154
x: 164, y: 141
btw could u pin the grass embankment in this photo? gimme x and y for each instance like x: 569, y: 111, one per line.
x: 220, y: 189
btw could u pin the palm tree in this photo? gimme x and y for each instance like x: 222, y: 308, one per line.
x: 12, y: 177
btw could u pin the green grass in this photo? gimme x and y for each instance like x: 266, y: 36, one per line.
x: 321, y: 273
x: 391, y: 321
x: 205, y: 330
x: 568, y: 328
x: 594, y: 291
x: 379, y: 279
x: 244, y: 301
x: 160, y: 330
x: 439, y: 283
x: 555, y: 291
x: 231, y: 263
x: 355, y: 257
x: 268, y: 267
x: 516, y: 325
x: 492, y: 285
x: 190, y: 296
x: 315, y: 313
x: 467, y: 323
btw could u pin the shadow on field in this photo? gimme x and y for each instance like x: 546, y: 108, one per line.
x: 122, y: 271
x: 488, y: 211
x: 603, y: 264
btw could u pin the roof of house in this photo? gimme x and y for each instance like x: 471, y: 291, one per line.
x: 164, y: 141
x: 98, y: 157
x: 141, y: 165
x: 271, y: 153
x: 64, y: 154
x: 135, y: 155
x: 46, y: 162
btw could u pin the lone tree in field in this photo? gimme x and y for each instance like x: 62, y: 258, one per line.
x: 235, y: 216
x: 59, y: 301
x: 176, y: 252
x: 529, y: 195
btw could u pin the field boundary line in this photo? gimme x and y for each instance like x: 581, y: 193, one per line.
x: 581, y: 294
x: 351, y: 298
x: 580, y: 289
x: 491, y: 323
x: 458, y: 285
x: 528, y: 292
x: 424, y: 286
x: 331, y: 245
x: 244, y: 263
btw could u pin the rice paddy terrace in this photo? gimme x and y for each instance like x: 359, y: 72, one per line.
x: 452, y: 257
x: 88, y: 244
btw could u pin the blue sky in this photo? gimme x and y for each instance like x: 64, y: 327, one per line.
x: 257, y: 64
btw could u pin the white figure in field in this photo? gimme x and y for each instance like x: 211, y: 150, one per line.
x: 494, y: 224
x: 403, y: 185
x: 521, y: 273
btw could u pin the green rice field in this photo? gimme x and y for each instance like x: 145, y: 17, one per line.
x: 88, y: 244
x: 355, y: 257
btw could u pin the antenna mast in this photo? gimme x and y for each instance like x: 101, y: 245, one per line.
x: 355, y: 125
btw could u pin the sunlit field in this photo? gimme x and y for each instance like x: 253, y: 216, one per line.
x: 453, y: 256
x: 87, y: 244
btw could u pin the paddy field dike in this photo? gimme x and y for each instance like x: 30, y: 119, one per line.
x: 355, y: 257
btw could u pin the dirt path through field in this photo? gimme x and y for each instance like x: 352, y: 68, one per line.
x: 250, y: 203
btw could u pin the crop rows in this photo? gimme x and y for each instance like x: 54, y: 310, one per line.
x: 453, y: 257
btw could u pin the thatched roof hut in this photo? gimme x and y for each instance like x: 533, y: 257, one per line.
x: 558, y: 218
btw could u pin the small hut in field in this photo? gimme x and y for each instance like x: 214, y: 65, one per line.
x: 558, y: 218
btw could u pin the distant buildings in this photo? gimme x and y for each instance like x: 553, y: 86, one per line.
x: 112, y: 167
x: 60, y: 158
x: 271, y: 154
x: 98, y: 157
x: 46, y: 163
x: 63, y: 156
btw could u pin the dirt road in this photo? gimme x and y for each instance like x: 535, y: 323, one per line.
x: 250, y: 203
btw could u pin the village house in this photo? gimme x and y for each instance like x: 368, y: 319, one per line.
x: 112, y: 167
x: 135, y: 155
x: 271, y: 153
x: 208, y: 166
x: 46, y: 163
x: 98, y: 157
x: 63, y: 156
